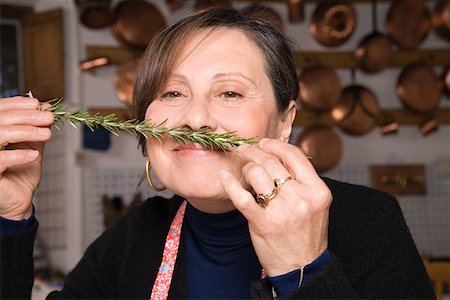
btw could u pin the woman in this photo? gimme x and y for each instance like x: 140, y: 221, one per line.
x: 303, y: 237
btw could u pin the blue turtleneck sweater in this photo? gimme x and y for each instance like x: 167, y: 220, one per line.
x: 221, y: 260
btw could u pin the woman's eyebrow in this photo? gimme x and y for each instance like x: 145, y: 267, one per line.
x: 178, y: 77
x: 234, y: 74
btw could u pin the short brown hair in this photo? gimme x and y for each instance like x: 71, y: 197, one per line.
x: 160, y: 58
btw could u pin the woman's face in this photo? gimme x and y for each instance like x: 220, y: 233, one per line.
x: 219, y: 82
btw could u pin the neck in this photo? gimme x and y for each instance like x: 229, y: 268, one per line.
x: 211, y: 206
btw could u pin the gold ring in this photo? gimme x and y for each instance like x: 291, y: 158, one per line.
x: 264, y: 199
x: 3, y: 147
x: 279, y: 182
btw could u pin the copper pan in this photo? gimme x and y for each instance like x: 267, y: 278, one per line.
x: 323, y: 145
x: 408, y: 23
x: 419, y: 88
x: 320, y: 88
x: 95, y: 14
x: 296, y: 11
x: 267, y: 14
x: 446, y: 81
x: 124, y: 81
x: 374, y: 51
x: 333, y: 22
x: 202, y: 5
x: 441, y: 19
x: 136, y: 22
x: 174, y: 5
x: 357, y: 111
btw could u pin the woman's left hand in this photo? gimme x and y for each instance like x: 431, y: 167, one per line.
x: 292, y: 230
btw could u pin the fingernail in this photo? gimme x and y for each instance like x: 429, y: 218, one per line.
x: 45, y: 116
x: 224, y: 175
x: 242, y: 148
x: 263, y: 141
x: 33, y: 154
x: 43, y: 131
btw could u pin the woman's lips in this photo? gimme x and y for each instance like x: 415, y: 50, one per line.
x: 195, y: 150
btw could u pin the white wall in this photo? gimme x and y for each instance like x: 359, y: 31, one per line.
x: 405, y: 147
x: 96, y: 89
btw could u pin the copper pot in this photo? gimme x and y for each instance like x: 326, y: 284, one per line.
x: 357, y: 111
x: 323, y: 145
x: 419, y: 88
x: 95, y: 14
x: 320, y: 88
x: 202, y: 5
x: 333, y: 22
x: 296, y: 11
x: 441, y: 19
x: 374, y: 51
x: 408, y: 23
x: 124, y: 81
x: 446, y: 81
x: 136, y: 23
x: 174, y: 5
x: 267, y: 14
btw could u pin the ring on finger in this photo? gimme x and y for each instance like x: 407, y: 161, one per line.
x: 3, y: 147
x: 264, y: 199
x: 280, y: 181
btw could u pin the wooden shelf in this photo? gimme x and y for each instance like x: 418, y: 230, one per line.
x: 437, y: 57
x: 311, y: 1
x: 401, y: 116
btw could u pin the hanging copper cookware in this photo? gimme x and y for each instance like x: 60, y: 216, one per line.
x: 441, y: 19
x: 419, y: 88
x: 202, y: 5
x: 124, y: 81
x: 333, y: 22
x: 174, y: 5
x: 357, y: 111
x: 137, y: 22
x: 374, y: 51
x: 320, y: 88
x: 323, y: 145
x: 95, y: 14
x: 446, y: 81
x: 296, y: 11
x: 267, y: 14
x: 408, y: 23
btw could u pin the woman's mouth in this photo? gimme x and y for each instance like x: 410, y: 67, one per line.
x: 192, y: 149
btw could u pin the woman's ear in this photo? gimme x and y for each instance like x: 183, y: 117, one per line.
x: 287, y: 121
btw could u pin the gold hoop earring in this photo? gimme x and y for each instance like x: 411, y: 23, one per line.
x: 149, y: 179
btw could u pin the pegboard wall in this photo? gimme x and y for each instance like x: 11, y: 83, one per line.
x: 49, y: 199
x: 124, y: 183
x: 428, y: 217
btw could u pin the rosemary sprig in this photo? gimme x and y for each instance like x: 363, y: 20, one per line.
x: 183, y: 134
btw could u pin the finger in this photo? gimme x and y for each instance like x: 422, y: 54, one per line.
x: 292, y: 158
x: 18, y: 133
x: 258, y: 177
x: 26, y: 117
x: 241, y: 198
x: 11, y: 158
x: 271, y: 163
x: 18, y: 103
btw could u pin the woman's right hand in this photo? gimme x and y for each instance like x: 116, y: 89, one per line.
x: 24, y: 128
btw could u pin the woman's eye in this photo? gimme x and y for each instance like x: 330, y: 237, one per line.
x: 230, y: 94
x: 171, y: 94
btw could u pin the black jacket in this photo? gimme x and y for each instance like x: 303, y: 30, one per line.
x: 373, y: 255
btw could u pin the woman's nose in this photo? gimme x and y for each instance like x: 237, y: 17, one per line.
x: 198, y: 114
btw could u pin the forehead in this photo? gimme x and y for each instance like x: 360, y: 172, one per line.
x: 220, y: 45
